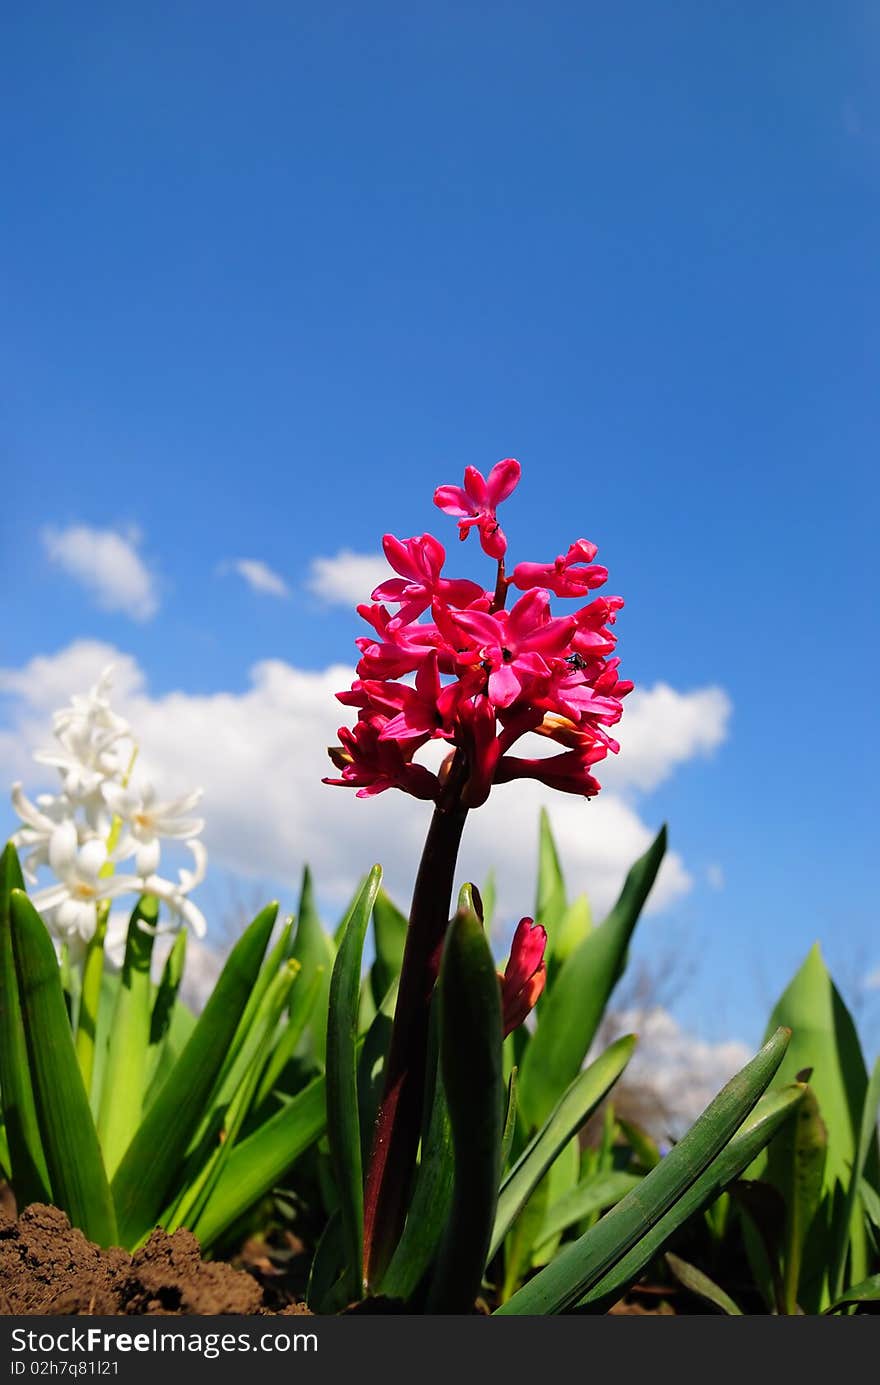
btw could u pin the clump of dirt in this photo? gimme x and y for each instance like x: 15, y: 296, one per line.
x: 48, y: 1266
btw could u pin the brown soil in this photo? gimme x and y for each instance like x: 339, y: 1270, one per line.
x: 47, y: 1266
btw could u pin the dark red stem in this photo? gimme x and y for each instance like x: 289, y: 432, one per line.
x: 396, y: 1136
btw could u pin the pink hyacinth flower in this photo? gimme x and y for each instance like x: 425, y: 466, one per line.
x: 418, y: 562
x: 477, y: 501
x: 525, y: 975
x: 513, y: 646
x: 572, y: 574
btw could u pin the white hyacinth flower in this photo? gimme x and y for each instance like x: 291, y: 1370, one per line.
x: 148, y: 820
x: 99, y: 821
x: 40, y: 820
x: 175, y: 896
x: 72, y: 901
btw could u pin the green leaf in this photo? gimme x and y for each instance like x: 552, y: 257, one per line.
x: 795, y: 1165
x: 580, y: 1265
x: 300, y: 1011
x: 67, y: 1130
x: 701, y: 1285
x: 825, y: 1039
x: 429, y: 1208
x: 574, y: 1108
x: 473, y: 1078
x: 258, y: 1163
x: 343, y: 1124
x: 30, y: 1176
x: 509, y: 1131
x: 575, y: 925
x: 208, y: 1170
x: 314, y: 951
x: 488, y: 896
x: 643, y: 1147
x: 143, y: 1182
x: 327, y: 1289
x: 871, y: 1202
x: 573, y: 1007
x: 591, y: 1195
x: 868, y: 1291
x: 389, y: 931
x: 866, y: 1145
x: 123, y: 1080
x: 550, y: 902
x: 772, y: 1111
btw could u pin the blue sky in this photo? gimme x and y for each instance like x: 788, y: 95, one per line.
x: 272, y: 276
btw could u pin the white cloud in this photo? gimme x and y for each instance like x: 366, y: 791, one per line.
x: 258, y: 575
x: 662, y: 729
x: 872, y: 980
x: 107, y: 564
x: 348, y: 578
x: 260, y: 756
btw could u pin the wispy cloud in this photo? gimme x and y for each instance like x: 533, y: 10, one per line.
x: 347, y: 578
x: 107, y: 563
x: 258, y: 575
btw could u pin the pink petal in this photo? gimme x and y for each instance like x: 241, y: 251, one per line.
x: 502, y: 480
x: 399, y: 556
x: 452, y: 500
x: 475, y: 485
x: 504, y: 686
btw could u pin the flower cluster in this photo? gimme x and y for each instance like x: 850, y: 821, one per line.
x: 99, y: 821
x: 451, y: 663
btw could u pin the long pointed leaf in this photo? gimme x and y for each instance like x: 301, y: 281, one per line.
x: 123, y: 1079
x: 573, y: 1008
x: 701, y: 1285
x: 473, y: 1079
x: 67, y: 1130
x: 30, y: 1176
x: 314, y: 951
x: 575, y: 1107
x: 771, y: 1112
x: 580, y: 1265
x: 343, y: 1125
x: 143, y: 1180
x: 258, y: 1163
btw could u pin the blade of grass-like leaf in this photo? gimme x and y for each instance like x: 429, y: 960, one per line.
x: 67, y: 1130
x: 700, y: 1284
x: 574, y: 927
x: 509, y: 1130
x: 550, y: 900
x: 123, y: 1079
x: 429, y: 1208
x: 143, y: 1180
x: 795, y: 1165
x: 582, y: 1263
x: 771, y: 1112
x: 825, y: 1039
x: 473, y: 1079
x: 572, y: 1009
x: 258, y: 1163
x: 866, y: 1142
x: 868, y: 1291
x: 314, y: 951
x: 197, y: 1192
x: 326, y: 1291
x: 574, y: 1108
x: 389, y: 932
x: 591, y: 1195
x: 30, y: 1176
x: 300, y: 1011
x: 343, y: 1124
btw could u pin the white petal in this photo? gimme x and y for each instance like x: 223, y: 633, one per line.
x: 50, y: 897
x: 92, y: 858
x: 147, y: 857
x: 62, y: 850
